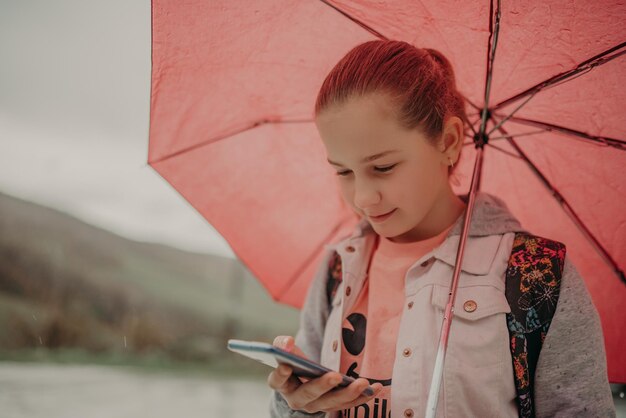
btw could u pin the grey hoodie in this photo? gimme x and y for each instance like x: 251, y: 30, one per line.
x: 571, y: 377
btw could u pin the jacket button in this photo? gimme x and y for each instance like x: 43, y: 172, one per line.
x: 469, y: 306
x: 408, y: 413
x: 410, y: 304
x: 348, y: 291
x: 406, y: 352
x: 335, y: 344
x: 350, y: 249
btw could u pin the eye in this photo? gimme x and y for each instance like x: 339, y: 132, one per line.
x: 385, y: 169
x: 379, y: 169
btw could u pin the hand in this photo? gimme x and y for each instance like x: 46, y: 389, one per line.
x: 320, y: 394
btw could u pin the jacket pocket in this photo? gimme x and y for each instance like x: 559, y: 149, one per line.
x: 478, y: 333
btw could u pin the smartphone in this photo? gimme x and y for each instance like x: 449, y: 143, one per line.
x: 273, y: 356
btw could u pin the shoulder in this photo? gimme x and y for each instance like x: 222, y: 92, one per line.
x: 575, y: 306
x: 571, y: 371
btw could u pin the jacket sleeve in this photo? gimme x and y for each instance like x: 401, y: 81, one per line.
x: 309, y: 337
x: 571, y: 377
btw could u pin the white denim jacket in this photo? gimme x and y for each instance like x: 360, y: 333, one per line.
x: 571, y: 377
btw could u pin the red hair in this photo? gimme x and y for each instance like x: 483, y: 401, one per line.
x: 419, y: 81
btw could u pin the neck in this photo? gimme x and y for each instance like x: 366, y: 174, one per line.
x: 445, y: 211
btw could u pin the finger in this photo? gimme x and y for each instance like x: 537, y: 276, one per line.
x: 313, y: 389
x: 358, y: 401
x: 350, y: 395
x: 283, y: 341
x: 287, y: 343
x: 283, y: 380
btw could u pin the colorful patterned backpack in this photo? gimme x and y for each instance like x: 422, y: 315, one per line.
x: 533, y: 280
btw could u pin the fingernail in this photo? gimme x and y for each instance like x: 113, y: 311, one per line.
x: 280, y: 342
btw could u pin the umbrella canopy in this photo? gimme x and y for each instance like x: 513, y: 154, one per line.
x: 231, y: 124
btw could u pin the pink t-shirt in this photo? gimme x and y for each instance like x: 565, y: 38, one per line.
x: 370, y: 328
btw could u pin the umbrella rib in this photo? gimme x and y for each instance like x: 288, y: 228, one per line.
x: 467, y: 121
x: 357, y: 21
x: 502, y: 121
x: 568, y: 210
x: 595, y: 139
x: 474, y: 105
x: 540, y: 131
x: 494, y: 31
x: 309, y: 260
x: 472, y: 128
x: 583, y: 67
x: 509, y: 153
x: 477, y: 120
x: 510, y: 115
x: 471, y: 125
x: 219, y: 138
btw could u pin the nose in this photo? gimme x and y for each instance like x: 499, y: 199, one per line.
x: 366, y: 194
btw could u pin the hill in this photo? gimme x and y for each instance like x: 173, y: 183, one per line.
x: 67, y: 284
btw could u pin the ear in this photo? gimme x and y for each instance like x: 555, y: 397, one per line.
x: 451, y: 140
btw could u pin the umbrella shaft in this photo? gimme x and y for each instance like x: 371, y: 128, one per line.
x: 435, y: 383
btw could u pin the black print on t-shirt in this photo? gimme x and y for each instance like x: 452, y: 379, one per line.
x: 378, y: 410
x: 354, y: 341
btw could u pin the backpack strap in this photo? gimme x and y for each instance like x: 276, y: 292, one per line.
x: 533, y: 280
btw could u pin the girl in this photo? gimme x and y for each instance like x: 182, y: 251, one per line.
x: 392, y: 123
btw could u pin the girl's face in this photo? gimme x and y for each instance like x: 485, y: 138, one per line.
x: 385, y: 169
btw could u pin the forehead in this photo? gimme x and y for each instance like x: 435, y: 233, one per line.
x: 363, y: 126
x: 357, y: 116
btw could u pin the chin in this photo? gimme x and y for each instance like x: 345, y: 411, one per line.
x: 385, y: 230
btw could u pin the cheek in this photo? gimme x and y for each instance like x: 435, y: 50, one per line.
x: 416, y: 186
x: 346, y: 191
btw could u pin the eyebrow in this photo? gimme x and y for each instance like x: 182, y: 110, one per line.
x: 370, y: 158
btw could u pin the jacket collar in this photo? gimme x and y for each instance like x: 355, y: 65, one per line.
x: 490, y: 219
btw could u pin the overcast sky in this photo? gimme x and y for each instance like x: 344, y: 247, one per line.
x: 74, y: 113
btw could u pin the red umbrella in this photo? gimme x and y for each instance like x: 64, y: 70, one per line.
x: 231, y: 124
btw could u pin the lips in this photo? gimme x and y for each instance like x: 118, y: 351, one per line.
x: 381, y: 217
x: 382, y: 214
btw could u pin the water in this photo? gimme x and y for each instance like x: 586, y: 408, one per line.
x: 62, y: 391
x: 34, y: 390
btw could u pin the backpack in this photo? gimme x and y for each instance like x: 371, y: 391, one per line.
x: 533, y: 280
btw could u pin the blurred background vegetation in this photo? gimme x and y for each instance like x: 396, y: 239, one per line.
x: 71, y: 292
